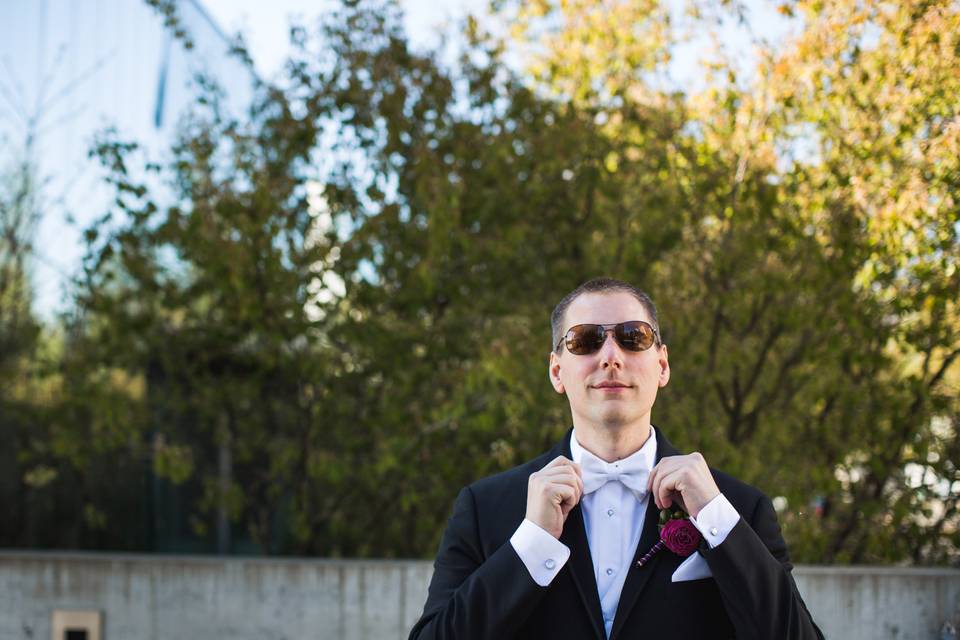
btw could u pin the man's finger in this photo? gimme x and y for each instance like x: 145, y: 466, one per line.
x: 560, y: 472
x: 559, y: 461
x: 668, y: 488
x: 659, y: 472
x: 572, y: 480
x: 652, y: 482
x: 560, y: 492
x: 549, y: 479
x: 664, y: 466
x: 657, y: 478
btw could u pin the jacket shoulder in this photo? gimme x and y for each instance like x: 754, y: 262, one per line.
x: 744, y: 497
x: 508, y: 481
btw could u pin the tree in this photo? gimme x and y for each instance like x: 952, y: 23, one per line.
x: 873, y: 84
x: 19, y: 329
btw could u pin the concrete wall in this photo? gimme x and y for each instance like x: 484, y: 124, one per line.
x: 860, y: 603
x: 178, y: 597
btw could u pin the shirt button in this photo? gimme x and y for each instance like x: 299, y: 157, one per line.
x: 610, y: 512
x: 550, y: 563
x: 609, y: 572
x: 713, y: 531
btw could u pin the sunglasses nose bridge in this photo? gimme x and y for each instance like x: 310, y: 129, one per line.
x: 610, y: 336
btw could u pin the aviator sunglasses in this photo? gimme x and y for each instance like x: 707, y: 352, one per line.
x: 634, y: 335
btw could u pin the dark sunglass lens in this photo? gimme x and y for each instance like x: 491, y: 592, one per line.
x: 635, y: 336
x: 584, y: 338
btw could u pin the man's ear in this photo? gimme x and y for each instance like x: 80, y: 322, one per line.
x: 664, y: 362
x: 554, y: 371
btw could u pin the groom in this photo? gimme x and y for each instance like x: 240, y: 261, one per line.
x: 558, y: 547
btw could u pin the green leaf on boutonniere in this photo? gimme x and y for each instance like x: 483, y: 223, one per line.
x: 673, y: 512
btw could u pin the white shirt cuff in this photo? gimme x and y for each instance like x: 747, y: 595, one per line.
x: 541, y: 553
x: 716, y: 520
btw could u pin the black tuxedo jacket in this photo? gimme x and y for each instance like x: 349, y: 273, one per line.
x: 482, y: 590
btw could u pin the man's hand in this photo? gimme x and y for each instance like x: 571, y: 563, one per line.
x: 685, y: 479
x: 552, y: 492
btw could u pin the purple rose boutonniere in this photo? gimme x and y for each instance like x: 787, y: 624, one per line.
x: 677, y: 534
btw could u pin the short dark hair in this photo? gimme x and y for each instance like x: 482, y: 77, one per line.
x: 600, y: 285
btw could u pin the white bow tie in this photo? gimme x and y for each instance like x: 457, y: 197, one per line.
x: 631, y: 473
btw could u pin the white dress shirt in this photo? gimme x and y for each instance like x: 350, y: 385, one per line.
x: 613, y: 517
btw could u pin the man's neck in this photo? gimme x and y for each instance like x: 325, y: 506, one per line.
x: 612, y: 443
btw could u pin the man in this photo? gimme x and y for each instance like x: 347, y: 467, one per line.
x: 563, y: 546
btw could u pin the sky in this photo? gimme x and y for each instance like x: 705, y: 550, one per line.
x: 265, y: 24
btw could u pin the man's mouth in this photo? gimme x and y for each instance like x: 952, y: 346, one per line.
x: 611, y: 384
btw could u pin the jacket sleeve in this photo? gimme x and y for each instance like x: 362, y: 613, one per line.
x: 753, y: 572
x: 473, y: 596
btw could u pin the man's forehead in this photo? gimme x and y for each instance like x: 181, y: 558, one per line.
x: 605, y: 308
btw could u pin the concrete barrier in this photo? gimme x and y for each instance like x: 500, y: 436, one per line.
x: 153, y: 597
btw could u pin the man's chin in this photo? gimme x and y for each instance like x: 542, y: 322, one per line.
x: 614, y: 419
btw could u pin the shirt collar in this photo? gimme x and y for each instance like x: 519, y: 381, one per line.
x: 646, y: 455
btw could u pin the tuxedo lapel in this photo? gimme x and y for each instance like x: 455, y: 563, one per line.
x: 638, y: 577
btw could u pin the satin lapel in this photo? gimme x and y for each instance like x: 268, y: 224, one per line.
x: 638, y: 577
x: 581, y: 568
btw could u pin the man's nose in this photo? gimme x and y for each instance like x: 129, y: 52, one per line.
x: 611, y: 355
